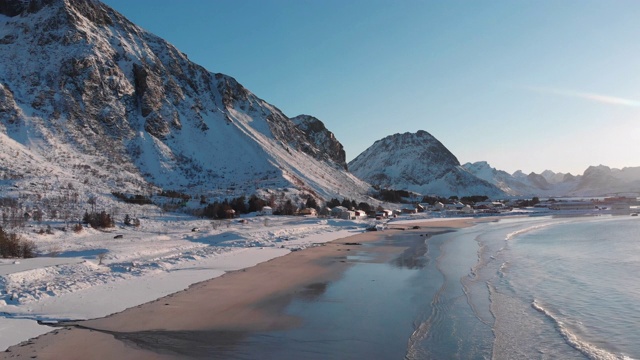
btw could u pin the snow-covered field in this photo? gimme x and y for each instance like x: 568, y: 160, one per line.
x: 92, y: 274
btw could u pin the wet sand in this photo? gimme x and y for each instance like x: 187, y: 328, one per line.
x: 224, y: 308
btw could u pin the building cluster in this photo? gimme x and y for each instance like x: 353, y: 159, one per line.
x: 613, y: 204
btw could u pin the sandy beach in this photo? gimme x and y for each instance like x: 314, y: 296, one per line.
x: 241, y: 301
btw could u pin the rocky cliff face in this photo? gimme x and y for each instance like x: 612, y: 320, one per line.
x: 78, y: 77
x: 418, y: 162
x: 320, y: 142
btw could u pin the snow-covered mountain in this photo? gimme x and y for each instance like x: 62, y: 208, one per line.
x: 418, y: 162
x: 88, y: 97
x: 596, y: 181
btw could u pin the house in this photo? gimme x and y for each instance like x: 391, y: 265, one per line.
x: 338, y: 210
x: 360, y: 214
x: 489, y: 205
x: 308, y: 212
x: 573, y: 205
x: 384, y: 214
x: 325, y: 211
x: 438, y: 206
x: 266, y: 210
x: 348, y: 215
x: 467, y: 209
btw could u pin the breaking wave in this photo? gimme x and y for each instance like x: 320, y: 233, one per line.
x: 513, y: 234
x: 589, y: 350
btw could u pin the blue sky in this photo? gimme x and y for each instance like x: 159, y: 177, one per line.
x: 529, y: 85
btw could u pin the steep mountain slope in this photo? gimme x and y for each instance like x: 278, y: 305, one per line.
x: 418, y: 162
x: 93, y: 95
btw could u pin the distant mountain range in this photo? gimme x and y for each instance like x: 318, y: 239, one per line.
x: 595, y: 181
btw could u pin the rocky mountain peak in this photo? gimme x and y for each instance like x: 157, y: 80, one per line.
x: 417, y: 162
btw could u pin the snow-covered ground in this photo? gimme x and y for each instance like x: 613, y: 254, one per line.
x: 92, y: 274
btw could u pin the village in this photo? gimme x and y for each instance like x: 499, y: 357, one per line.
x: 619, y: 205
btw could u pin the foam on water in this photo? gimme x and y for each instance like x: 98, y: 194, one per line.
x: 512, y: 235
x: 589, y: 350
x: 581, y: 273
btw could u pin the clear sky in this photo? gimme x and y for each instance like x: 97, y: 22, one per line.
x: 529, y: 85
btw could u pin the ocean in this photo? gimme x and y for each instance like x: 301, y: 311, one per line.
x: 525, y: 288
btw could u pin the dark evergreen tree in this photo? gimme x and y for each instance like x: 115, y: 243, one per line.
x: 364, y: 207
x: 255, y: 204
x: 311, y: 203
x: 346, y: 203
x: 333, y: 203
x: 288, y: 208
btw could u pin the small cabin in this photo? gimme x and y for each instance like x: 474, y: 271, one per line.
x: 308, y: 212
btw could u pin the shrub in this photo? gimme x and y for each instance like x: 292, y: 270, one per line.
x: 77, y: 227
x: 133, y: 199
x: 12, y: 245
x: 98, y: 220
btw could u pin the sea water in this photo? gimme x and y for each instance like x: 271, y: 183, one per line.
x: 532, y: 288
x: 572, y: 285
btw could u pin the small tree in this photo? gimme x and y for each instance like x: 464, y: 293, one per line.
x: 215, y: 224
x: 101, y: 257
x: 77, y: 227
x: 311, y: 203
x: 287, y: 208
x: 12, y: 245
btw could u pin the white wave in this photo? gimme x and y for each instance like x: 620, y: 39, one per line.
x: 513, y: 234
x: 589, y: 350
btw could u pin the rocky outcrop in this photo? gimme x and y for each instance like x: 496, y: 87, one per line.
x: 319, y: 141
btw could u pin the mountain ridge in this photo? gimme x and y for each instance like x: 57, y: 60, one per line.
x: 595, y: 181
x: 80, y: 82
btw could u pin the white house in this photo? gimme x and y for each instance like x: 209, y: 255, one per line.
x: 361, y: 214
x: 438, y: 206
x: 466, y: 209
x: 348, y: 215
x: 266, y: 210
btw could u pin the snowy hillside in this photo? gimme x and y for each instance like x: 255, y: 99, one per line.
x: 596, y: 181
x: 87, y: 97
x: 418, y: 162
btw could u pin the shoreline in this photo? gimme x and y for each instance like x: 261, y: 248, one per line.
x: 247, y: 300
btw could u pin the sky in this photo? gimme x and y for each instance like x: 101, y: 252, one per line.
x: 524, y: 85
